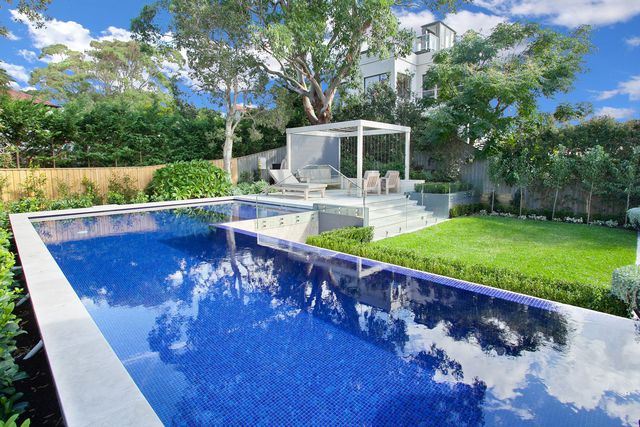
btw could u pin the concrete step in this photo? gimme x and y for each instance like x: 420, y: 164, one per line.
x: 390, y: 204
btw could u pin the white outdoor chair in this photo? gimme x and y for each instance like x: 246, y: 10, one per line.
x: 391, y: 181
x: 370, y: 182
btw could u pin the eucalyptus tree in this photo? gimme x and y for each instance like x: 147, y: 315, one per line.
x: 486, y: 83
x: 109, y: 68
x: 29, y: 9
x: 221, y: 61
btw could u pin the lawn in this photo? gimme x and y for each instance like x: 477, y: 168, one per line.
x: 560, y: 251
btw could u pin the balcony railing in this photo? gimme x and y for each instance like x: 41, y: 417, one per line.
x: 425, y: 43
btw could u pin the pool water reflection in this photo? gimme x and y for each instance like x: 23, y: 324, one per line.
x: 218, y: 329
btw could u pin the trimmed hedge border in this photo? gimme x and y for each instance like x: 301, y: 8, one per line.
x: 443, y: 187
x: 10, y: 404
x: 573, y: 293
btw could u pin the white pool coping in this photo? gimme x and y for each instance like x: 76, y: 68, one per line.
x: 93, y: 386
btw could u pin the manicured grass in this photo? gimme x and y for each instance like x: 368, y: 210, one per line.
x: 569, y: 252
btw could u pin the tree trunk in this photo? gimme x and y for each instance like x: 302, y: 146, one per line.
x: 316, y: 111
x: 17, y: 157
x: 521, y: 199
x: 227, y: 150
x: 493, y: 198
x: 589, y: 204
x: 627, y: 209
x: 555, y: 201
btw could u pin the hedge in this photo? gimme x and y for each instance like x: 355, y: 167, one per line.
x: 574, y: 293
x: 10, y: 405
x: 625, y: 284
x: 634, y: 217
x: 443, y: 187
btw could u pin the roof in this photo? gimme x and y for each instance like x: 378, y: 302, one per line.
x: 23, y: 96
x: 349, y: 128
x: 438, y: 22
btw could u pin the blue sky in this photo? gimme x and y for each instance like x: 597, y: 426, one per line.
x: 612, y: 82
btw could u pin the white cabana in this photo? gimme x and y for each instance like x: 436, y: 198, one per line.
x: 320, y: 144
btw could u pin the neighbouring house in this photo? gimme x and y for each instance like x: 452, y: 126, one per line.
x: 16, y: 94
x: 405, y: 75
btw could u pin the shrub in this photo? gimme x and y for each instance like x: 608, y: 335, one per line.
x: 634, y: 218
x: 9, y: 330
x: 189, y: 180
x: 625, y: 284
x: 91, y: 190
x: 443, y: 187
x: 349, y: 234
x: 123, y: 189
x: 580, y: 294
x: 470, y: 209
x: 245, y: 188
x: 33, y: 185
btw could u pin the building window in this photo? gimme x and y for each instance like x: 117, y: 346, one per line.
x: 371, y: 80
x: 403, y: 86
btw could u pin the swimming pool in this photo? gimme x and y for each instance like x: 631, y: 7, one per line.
x: 217, y: 327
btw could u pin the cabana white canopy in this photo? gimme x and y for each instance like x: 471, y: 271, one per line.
x: 320, y: 144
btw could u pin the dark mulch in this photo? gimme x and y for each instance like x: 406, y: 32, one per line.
x: 39, y: 390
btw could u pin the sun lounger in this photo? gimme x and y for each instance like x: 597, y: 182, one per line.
x: 286, y: 182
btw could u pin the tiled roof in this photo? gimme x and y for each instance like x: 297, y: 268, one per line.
x: 16, y: 94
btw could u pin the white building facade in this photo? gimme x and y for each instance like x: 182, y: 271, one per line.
x: 405, y: 75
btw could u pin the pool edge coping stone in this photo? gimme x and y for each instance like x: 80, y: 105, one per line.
x: 93, y: 386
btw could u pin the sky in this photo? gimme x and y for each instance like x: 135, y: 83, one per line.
x: 611, y: 82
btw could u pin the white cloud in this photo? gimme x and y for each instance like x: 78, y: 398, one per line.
x: 11, y: 36
x: 28, y: 55
x: 18, y: 72
x: 465, y: 20
x: 69, y: 33
x: 616, y: 113
x: 567, y: 13
x: 633, y: 41
x: 114, y: 33
x: 414, y: 20
x: 461, y: 22
x: 631, y: 88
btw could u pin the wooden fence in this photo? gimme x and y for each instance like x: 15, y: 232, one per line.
x: 141, y: 175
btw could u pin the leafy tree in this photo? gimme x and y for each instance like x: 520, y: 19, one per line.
x: 313, y: 58
x: 486, y: 83
x: 517, y: 162
x: 30, y: 9
x: 219, y: 51
x: 110, y: 68
x: 292, y: 41
x: 21, y: 125
x: 558, y: 172
x: 593, y: 166
x: 629, y: 177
